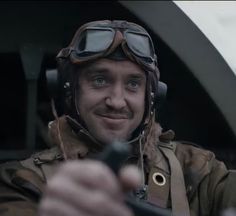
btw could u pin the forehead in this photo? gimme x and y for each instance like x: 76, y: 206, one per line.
x: 124, y: 67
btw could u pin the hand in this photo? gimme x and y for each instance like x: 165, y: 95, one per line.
x: 88, y: 188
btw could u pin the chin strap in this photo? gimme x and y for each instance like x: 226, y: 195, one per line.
x: 141, y: 160
x: 54, y: 111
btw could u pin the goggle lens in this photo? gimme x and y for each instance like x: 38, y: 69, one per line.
x: 94, y: 41
x: 140, y: 44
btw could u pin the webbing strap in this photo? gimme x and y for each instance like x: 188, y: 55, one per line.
x: 158, y: 194
x: 179, y: 201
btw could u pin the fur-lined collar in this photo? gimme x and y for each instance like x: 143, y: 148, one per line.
x: 81, y: 144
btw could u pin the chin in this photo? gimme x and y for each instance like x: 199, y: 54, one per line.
x: 112, y: 139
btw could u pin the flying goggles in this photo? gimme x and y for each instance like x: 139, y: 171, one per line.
x: 99, y: 39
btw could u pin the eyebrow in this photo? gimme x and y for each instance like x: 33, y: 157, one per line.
x: 97, y: 69
x: 138, y: 76
x: 93, y: 69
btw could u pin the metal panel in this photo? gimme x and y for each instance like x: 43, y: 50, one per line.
x: 194, y: 49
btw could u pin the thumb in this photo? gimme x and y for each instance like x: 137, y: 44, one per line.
x: 130, y: 178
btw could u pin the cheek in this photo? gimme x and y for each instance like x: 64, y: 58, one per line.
x: 138, y: 104
x: 142, y: 108
x: 88, y: 99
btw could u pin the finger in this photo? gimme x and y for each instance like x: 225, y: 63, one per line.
x: 92, y: 174
x: 130, y: 177
x: 103, y: 205
x: 78, y: 195
x: 51, y: 207
x: 80, y: 199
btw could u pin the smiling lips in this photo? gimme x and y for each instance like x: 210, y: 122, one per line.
x: 114, y: 121
x: 115, y: 116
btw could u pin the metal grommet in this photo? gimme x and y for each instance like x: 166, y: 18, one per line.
x: 66, y: 85
x: 159, y: 179
x: 189, y: 188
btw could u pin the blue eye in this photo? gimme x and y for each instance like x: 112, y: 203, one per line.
x: 99, y: 81
x: 133, y: 84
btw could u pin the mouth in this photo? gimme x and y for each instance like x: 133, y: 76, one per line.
x: 114, y: 116
x: 113, y: 121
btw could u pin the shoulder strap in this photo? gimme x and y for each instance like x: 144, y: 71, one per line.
x: 159, y: 182
x: 179, y: 201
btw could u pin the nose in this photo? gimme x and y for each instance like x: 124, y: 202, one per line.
x: 116, y: 97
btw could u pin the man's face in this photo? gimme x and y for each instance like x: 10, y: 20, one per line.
x: 111, y: 99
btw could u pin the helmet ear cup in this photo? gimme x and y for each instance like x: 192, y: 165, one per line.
x: 52, y: 82
x: 160, y: 95
x: 55, y: 90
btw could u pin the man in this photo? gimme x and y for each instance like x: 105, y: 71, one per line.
x: 110, y: 79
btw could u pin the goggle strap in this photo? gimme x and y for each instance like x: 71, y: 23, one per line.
x: 127, y: 51
x: 117, y: 40
x: 64, y: 53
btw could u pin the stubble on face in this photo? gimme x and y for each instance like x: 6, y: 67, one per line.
x: 123, y: 84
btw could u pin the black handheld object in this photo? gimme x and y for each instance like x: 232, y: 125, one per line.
x: 114, y: 156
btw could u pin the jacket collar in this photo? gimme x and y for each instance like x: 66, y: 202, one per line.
x: 76, y: 142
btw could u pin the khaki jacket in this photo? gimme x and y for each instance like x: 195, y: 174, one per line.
x: 208, y: 186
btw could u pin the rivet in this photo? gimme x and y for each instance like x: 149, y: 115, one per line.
x: 159, y: 179
x: 189, y: 188
x: 67, y: 85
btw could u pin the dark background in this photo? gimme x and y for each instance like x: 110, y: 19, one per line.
x: 50, y: 25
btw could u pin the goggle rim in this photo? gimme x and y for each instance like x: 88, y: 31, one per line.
x: 78, y: 52
x: 152, y: 50
x: 126, y: 31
